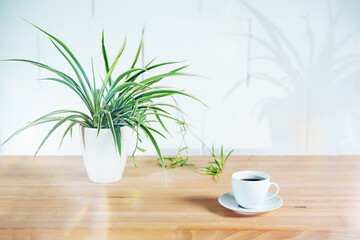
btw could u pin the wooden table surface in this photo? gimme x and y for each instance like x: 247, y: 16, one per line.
x: 51, y: 198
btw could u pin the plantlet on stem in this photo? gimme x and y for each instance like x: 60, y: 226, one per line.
x: 217, y: 165
x: 179, y: 159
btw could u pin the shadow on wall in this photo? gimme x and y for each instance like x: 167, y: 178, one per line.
x: 321, y: 89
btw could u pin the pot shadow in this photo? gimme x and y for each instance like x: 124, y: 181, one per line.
x: 212, y: 205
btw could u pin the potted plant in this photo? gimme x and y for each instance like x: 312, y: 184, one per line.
x: 120, y: 105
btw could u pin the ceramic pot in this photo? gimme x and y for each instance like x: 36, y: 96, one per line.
x: 102, y: 161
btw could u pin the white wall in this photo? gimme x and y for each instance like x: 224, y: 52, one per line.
x: 282, y: 76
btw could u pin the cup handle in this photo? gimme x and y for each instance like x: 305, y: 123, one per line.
x: 274, y: 194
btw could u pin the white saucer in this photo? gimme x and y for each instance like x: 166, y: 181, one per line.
x: 228, y: 201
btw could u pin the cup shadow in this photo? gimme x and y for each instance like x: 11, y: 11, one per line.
x: 212, y: 205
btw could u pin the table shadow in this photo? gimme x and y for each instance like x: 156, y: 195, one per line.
x: 212, y: 205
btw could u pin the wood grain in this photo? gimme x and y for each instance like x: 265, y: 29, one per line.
x: 52, y: 198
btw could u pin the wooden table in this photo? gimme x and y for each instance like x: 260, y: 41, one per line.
x: 51, y: 198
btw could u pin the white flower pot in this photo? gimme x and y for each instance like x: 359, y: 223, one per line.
x: 102, y: 161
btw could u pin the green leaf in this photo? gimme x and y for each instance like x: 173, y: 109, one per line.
x: 53, y: 129
x: 179, y: 69
x: 111, y: 126
x: 152, y: 139
x: 160, y: 121
x: 118, y: 139
x: 72, y: 87
x: 65, y: 77
x: 156, y: 131
x: 117, y: 89
x: 68, y: 129
x: 111, y: 70
x: 67, y: 50
x: 76, y: 73
x: 105, y: 56
x: 121, y: 76
x: 94, y: 93
x: 139, y: 49
x: 48, y: 118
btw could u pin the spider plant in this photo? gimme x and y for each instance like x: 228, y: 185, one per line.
x: 217, y: 165
x: 179, y: 159
x: 120, y: 100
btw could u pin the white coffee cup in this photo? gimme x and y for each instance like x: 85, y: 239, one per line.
x: 250, y: 188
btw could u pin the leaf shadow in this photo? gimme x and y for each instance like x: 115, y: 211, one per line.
x: 317, y: 78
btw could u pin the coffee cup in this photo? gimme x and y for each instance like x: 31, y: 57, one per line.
x: 250, y: 188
